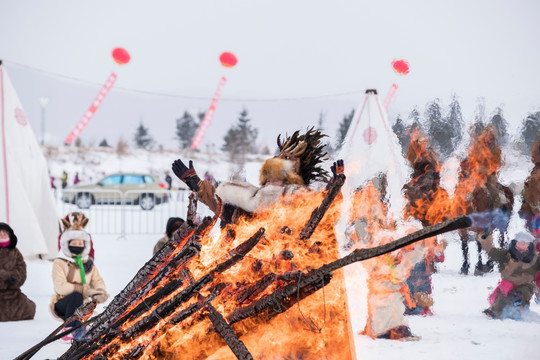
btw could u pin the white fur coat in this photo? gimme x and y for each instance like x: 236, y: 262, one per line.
x: 252, y: 198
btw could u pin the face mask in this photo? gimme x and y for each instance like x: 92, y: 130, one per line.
x: 76, y: 250
x: 4, y: 243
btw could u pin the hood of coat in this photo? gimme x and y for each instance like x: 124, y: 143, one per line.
x: 71, y: 234
x: 12, y: 237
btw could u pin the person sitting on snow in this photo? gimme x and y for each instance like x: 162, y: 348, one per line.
x: 518, y: 265
x: 173, y: 224
x: 14, y: 305
x: 76, y: 279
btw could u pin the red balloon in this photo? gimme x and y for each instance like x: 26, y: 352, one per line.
x: 401, y: 66
x: 120, y: 56
x: 228, y: 59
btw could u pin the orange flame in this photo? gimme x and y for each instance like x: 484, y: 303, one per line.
x: 316, y: 326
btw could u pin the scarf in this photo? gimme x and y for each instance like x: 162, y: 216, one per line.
x: 79, y: 262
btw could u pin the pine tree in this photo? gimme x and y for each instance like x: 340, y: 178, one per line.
x: 186, y: 128
x: 104, y: 143
x: 240, y: 139
x: 142, y: 138
x: 444, y: 132
x: 501, y: 125
x: 530, y: 129
x: 402, y: 134
x: 414, y: 119
x: 343, y: 128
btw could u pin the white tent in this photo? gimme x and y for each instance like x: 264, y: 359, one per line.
x: 370, y: 148
x: 26, y: 200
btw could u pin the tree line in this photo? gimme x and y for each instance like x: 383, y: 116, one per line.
x: 444, y: 126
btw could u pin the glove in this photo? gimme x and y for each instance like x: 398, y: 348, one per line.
x: 100, y: 297
x: 187, y: 175
x: 10, y: 281
x: 337, y: 168
x: 93, y: 292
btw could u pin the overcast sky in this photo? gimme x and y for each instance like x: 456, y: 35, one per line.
x: 296, y: 59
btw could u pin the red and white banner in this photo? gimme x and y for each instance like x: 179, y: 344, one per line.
x: 92, y: 109
x: 390, y: 95
x: 209, y: 115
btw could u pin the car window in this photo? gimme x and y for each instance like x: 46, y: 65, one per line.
x: 148, y: 179
x: 112, y: 180
x: 132, y: 179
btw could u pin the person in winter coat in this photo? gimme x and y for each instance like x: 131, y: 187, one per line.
x: 518, y: 265
x: 291, y: 171
x: 76, y: 220
x: 64, y: 179
x: 369, y: 226
x: 284, y: 179
x: 76, y: 279
x: 173, y: 224
x: 428, y: 202
x: 14, y: 305
x: 530, y: 195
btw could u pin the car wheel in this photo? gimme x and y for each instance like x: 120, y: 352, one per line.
x: 147, y: 201
x: 83, y: 201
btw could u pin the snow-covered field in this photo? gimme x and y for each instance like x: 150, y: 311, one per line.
x: 458, y: 329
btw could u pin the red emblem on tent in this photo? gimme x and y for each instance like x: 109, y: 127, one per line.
x: 120, y: 56
x: 228, y: 59
x: 20, y: 116
x: 400, y: 66
x: 370, y: 135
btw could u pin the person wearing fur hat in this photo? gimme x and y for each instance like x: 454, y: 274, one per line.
x: 75, y: 220
x: 76, y: 279
x: 518, y: 265
x: 292, y: 170
x: 14, y: 305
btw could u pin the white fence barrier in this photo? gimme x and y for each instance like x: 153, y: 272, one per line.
x: 132, y: 212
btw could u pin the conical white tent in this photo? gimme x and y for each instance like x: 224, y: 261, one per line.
x: 370, y: 148
x: 26, y: 200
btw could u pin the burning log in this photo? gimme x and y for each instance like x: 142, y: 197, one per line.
x: 318, y: 213
x: 168, y: 307
x: 165, y: 308
x: 149, y: 276
x: 82, y: 313
x: 227, y: 333
x: 282, y: 299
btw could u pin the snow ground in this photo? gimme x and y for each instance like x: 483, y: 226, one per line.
x: 457, y: 330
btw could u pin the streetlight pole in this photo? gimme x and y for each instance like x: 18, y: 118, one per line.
x: 43, y: 101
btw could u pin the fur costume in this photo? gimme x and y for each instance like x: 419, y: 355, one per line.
x: 14, y: 305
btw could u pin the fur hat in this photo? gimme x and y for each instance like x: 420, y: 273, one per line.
x: 276, y: 168
x: 74, y: 220
x: 12, y: 237
x: 309, y: 150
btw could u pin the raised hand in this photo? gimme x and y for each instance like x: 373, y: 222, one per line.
x: 187, y: 174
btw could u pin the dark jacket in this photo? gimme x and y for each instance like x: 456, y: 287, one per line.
x: 14, y: 305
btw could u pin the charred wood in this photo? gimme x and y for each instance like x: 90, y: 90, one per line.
x: 318, y: 213
x: 166, y: 308
x: 143, y: 282
x: 227, y: 333
x: 283, y: 298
